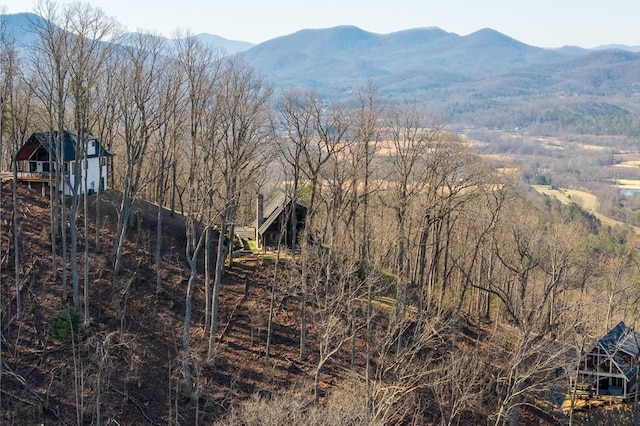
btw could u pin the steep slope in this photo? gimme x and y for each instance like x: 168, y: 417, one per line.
x: 128, y: 372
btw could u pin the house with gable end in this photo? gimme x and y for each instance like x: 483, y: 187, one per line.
x: 36, y: 162
x: 610, y: 367
x: 276, y: 220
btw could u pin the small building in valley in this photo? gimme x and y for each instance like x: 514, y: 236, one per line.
x: 36, y: 161
x: 610, y: 367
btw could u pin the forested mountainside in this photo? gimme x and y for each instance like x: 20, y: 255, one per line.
x: 418, y: 283
x: 485, y: 79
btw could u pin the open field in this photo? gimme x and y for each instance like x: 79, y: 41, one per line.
x: 628, y: 183
x: 584, y: 199
x: 587, y: 201
x: 628, y: 164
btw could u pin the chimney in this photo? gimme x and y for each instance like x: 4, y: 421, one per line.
x: 259, y: 216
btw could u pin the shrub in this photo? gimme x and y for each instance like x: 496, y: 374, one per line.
x: 65, y: 326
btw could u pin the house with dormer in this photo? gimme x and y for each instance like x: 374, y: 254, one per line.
x: 37, y: 162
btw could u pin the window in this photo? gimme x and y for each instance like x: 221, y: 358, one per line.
x: 616, y: 382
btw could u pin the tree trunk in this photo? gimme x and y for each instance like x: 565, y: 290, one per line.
x: 16, y: 238
x: 121, y: 232
x: 207, y: 282
x: 75, y: 280
x: 272, y: 302
x: 220, y: 255
x: 86, y: 251
x: 158, y: 251
x: 186, y: 369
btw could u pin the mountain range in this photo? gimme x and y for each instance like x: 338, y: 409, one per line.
x: 465, y: 79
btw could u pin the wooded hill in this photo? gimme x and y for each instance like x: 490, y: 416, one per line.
x: 425, y: 287
x: 485, y: 79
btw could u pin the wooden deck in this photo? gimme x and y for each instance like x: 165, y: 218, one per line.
x: 28, y: 177
x: 35, y: 177
x: 585, y: 401
x: 581, y: 403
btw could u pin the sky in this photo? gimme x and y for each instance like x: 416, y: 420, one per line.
x: 542, y: 23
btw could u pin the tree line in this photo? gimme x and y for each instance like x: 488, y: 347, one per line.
x: 408, y: 234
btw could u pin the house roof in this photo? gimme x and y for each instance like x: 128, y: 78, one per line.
x: 47, y: 141
x: 276, y: 205
x: 621, y: 339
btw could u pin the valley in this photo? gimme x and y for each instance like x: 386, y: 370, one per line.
x: 435, y: 228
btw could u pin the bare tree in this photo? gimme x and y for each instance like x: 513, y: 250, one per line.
x: 107, y: 117
x: 87, y: 54
x: 534, y: 274
x: 244, y: 127
x: 316, y: 131
x: 329, y: 297
x: 4, y: 89
x: 8, y: 76
x: 51, y: 80
x: 170, y: 132
x: 398, y: 376
x: 413, y: 138
x: 140, y: 118
x: 201, y: 69
x: 459, y: 387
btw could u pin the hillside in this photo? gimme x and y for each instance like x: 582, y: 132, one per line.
x: 129, y: 372
x: 131, y: 368
x: 410, y: 274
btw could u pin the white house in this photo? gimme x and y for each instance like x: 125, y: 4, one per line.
x: 36, y: 161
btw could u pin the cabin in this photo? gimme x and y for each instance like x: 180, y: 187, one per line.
x: 273, y: 219
x: 36, y: 162
x: 610, y: 367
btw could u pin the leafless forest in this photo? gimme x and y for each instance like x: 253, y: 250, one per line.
x: 427, y: 287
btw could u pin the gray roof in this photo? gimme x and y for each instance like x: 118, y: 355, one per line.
x: 621, y: 339
x: 277, y: 203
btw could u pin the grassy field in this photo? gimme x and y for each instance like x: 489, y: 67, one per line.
x: 628, y: 183
x: 587, y: 201
x: 584, y: 199
x: 630, y: 164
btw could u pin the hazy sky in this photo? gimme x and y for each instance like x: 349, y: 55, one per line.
x: 543, y: 23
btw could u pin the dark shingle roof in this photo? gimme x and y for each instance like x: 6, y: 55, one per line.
x: 621, y: 339
x: 47, y: 141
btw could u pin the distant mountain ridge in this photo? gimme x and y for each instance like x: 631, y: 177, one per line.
x: 485, y: 78
x: 416, y: 60
x: 23, y: 26
x: 228, y: 47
